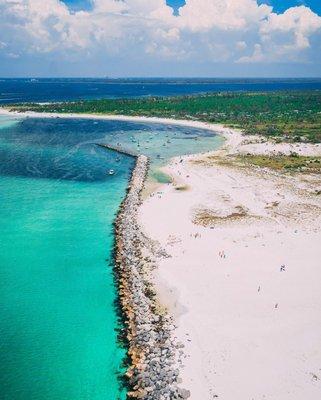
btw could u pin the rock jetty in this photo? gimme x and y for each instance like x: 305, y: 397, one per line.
x: 153, y: 373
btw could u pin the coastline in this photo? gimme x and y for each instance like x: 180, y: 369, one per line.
x: 224, y: 131
x: 234, y: 137
x: 241, y: 328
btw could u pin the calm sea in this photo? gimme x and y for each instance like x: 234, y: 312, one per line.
x: 45, y: 90
x: 58, y: 319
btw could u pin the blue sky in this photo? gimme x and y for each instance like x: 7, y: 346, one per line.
x: 278, y: 5
x: 144, y: 38
x: 282, y: 5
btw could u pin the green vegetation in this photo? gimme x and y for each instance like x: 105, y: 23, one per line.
x: 280, y: 162
x: 292, y: 116
x: 292, y: 162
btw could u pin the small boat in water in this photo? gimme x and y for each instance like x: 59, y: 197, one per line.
x: 111, y: 172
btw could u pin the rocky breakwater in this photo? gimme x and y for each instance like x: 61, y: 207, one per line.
x: 153, y: 373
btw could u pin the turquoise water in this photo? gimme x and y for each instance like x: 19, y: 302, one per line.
x: 162, y: 142
x: 58, y: 203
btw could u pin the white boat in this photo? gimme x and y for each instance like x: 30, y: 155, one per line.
x: 111, y: 172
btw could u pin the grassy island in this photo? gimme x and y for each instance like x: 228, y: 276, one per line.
x: 293, y: 116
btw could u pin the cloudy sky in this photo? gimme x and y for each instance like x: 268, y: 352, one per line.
x: 160, y: 38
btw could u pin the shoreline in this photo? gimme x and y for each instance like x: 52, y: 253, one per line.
x: 241, y: 328
x: 219, y: 128
x: 235, y: 139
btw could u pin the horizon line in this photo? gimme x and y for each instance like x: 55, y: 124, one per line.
x: 158, y: 77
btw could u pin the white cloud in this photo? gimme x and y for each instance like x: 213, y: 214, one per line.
x: 206, y: 30
x: 257, y: 55
x: 296, y: 26
x: 12, y: 55
x: 225, y: 15
x: 241, y: 45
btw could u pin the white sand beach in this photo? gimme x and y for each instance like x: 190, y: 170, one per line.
x: 243, y: 272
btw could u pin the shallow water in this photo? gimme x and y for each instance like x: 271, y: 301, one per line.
x: 58, y: 203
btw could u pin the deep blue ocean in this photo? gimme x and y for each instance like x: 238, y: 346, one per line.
x: 49, y: 90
